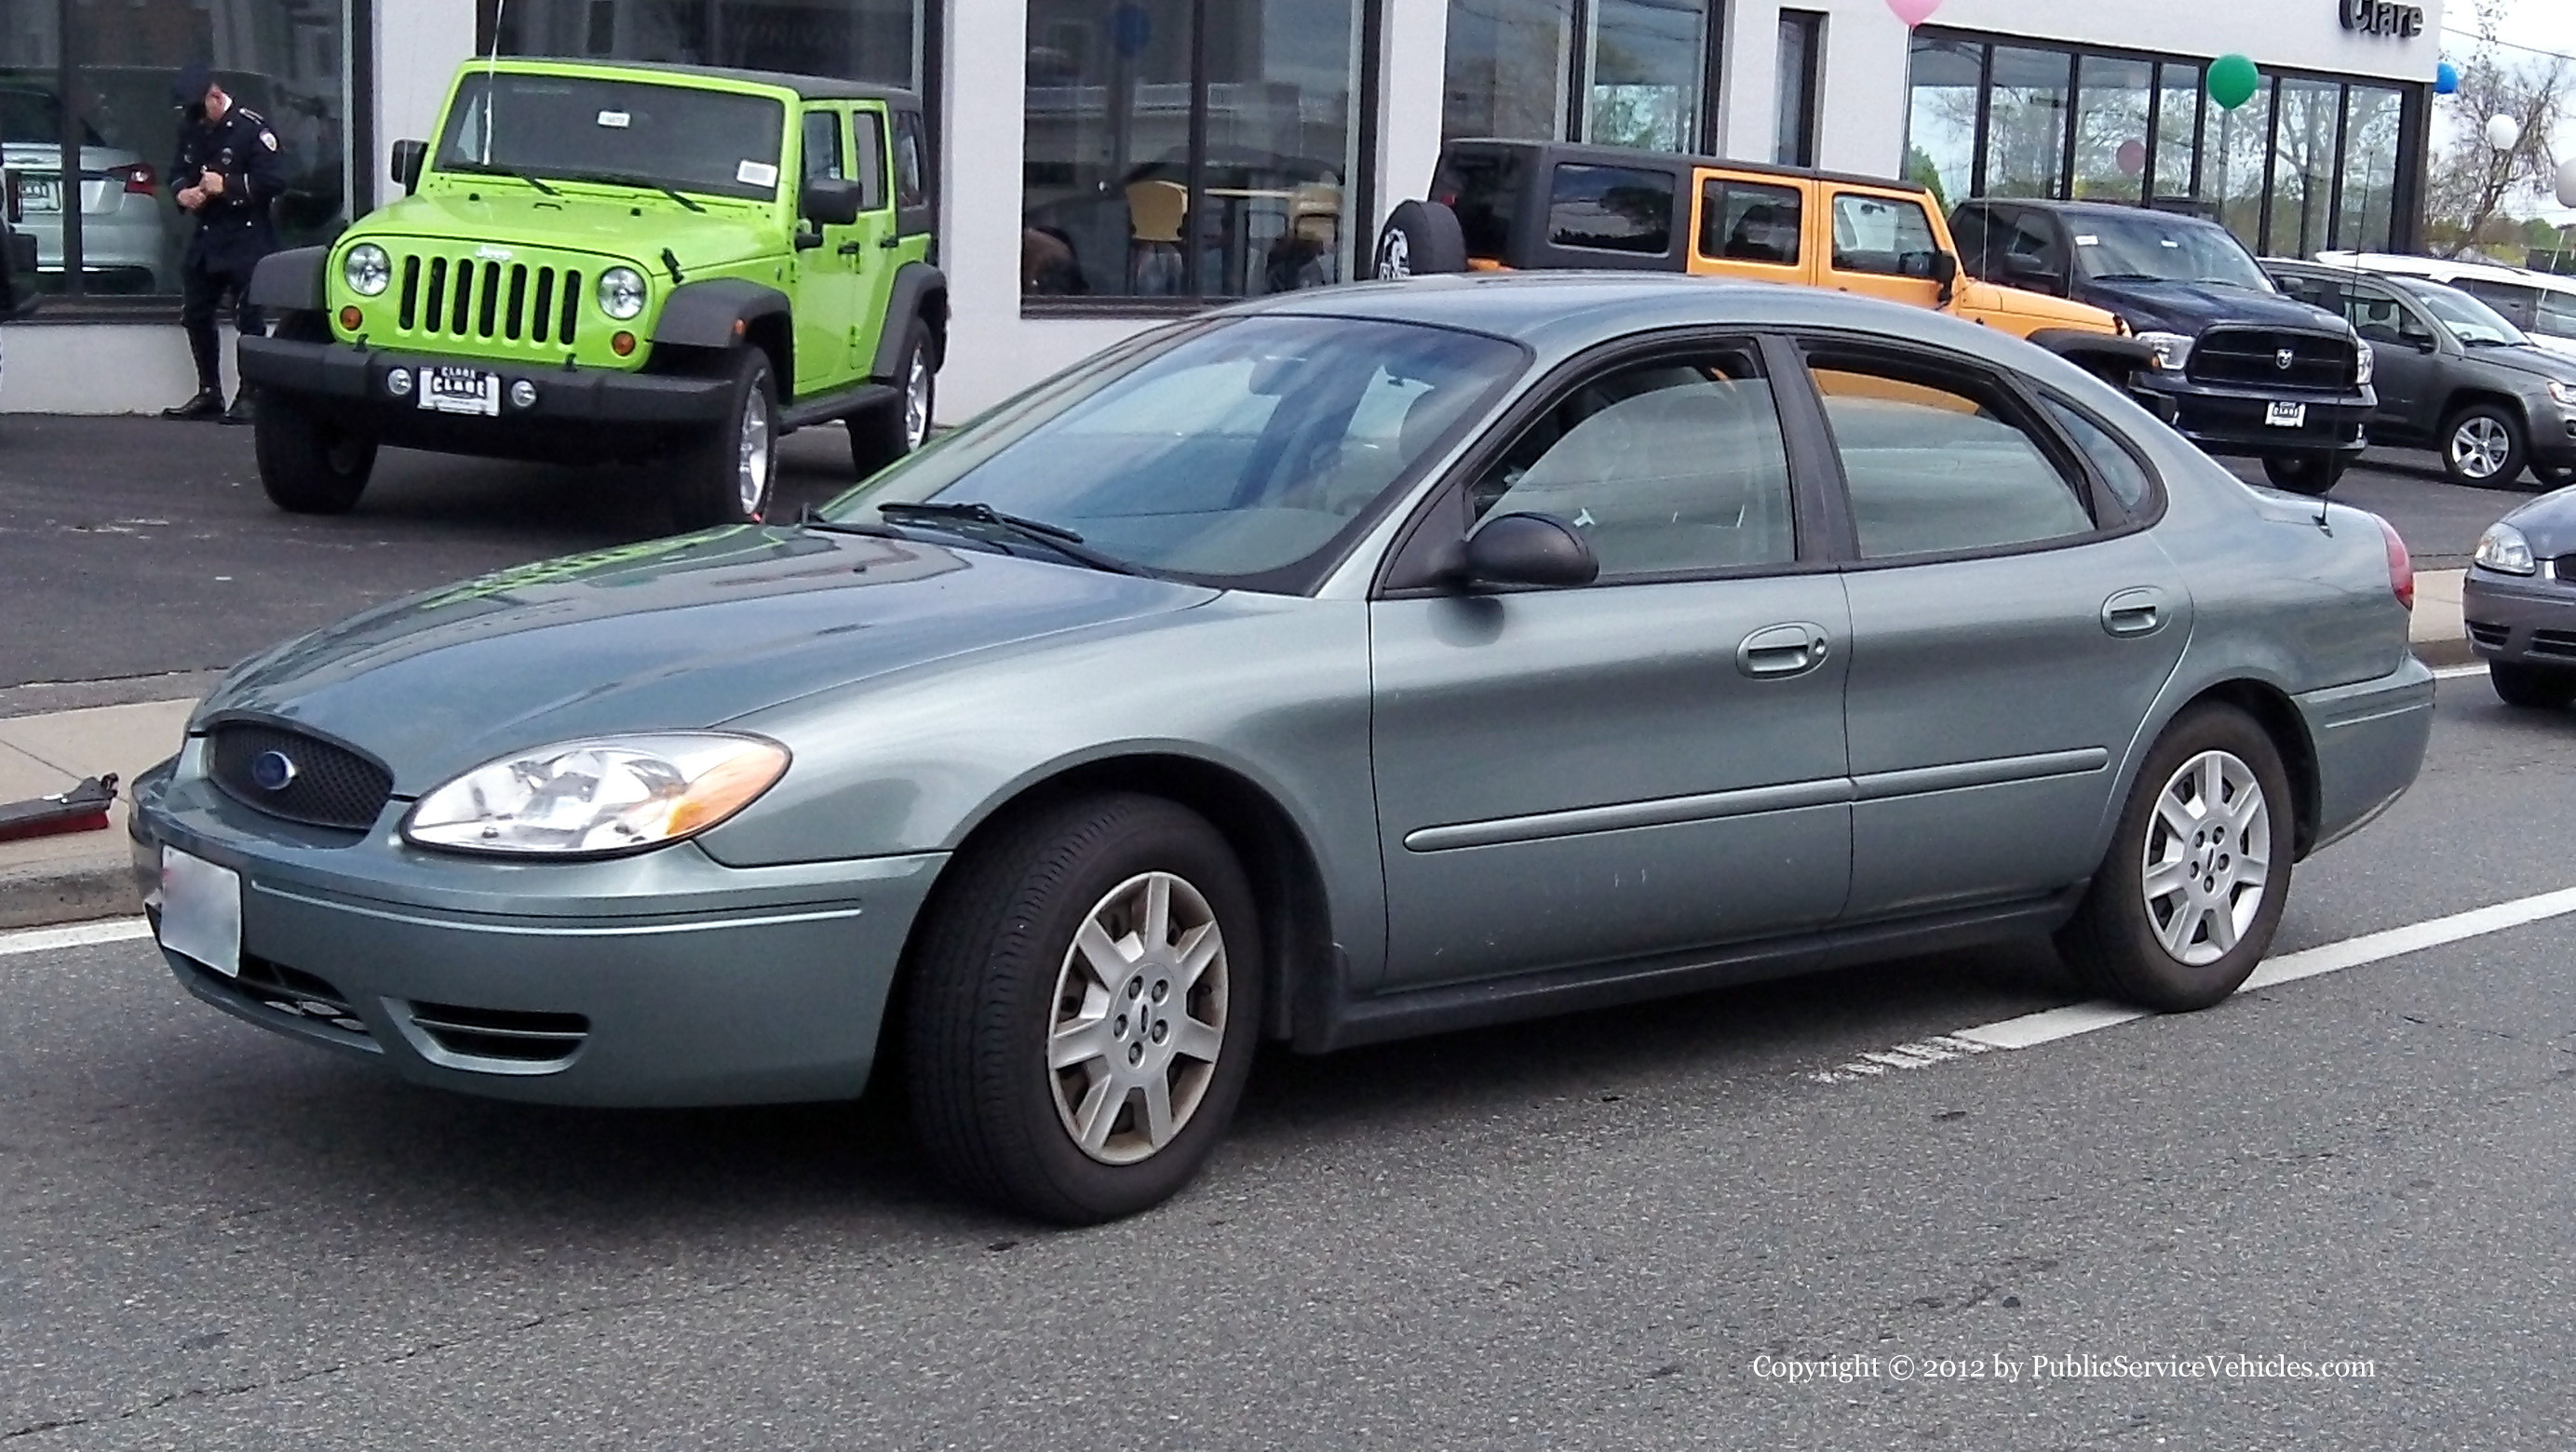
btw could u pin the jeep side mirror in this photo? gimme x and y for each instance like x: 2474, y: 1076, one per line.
x: 829, y: 201
x: 1526, y: 549
x: 1945, y: 271
x: 408, y: 156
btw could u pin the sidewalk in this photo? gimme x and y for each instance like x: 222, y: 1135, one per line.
x: 87, y: 874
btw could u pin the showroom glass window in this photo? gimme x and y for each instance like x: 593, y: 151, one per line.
x: 90, y: 132
x: 2239, y: 148
x: 2111, y: 97
x: 2026, y: 122
x: 1189, y: 149
x: 2179, y: 106
x: 1612, y: 72
x: 2306, y: 148
x: 2367, y: 211
x: 1801, y: 92
x: 857, y: 40
x: 1941, y: 120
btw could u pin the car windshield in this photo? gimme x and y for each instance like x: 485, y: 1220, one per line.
x: 1233, y: 451
x: 36, y: 117
x: 2469, y: 320
x: 576, y: 128
x: 2148, y: 247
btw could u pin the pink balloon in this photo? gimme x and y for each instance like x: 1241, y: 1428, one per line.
x: 2132, y: 157
x: 1913, y: 12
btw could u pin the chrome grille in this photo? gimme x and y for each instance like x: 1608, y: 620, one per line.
x: 486, y: 301
x: 2252, y: 356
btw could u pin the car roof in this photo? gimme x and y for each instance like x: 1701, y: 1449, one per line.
x: 810, y: 88
x: 1669, y: 160
x: 2403, y: 265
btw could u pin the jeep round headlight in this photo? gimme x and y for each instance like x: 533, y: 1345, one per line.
x: 621, y: 292
x: 600, y: 796
x: 367, y: 269
x: 2504, y: 549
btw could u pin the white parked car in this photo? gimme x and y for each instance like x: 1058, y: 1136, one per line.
x: 125, y: 230
x: 2542, y: 304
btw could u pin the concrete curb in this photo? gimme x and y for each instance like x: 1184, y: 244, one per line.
x: 42, y: 894
x: 2441, y: 653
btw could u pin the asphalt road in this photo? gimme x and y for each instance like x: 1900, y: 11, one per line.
x: 137, y: 548
x: 1581, y: 1234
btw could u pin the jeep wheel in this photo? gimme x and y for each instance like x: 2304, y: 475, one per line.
x: 2308, y: 473
x: 309, y: 465
x: 731, y: 476
x: 1420, y: 238
x: 886, y: 433
x: 2482, y: 446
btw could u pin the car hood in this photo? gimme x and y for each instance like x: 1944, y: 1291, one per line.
x: 511, y: 215
x: 2188, y: 307
x: 666, y: 635
x: 2533, y: 359
x: 2549, y: 522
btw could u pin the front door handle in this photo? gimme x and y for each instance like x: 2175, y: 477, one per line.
x: 850, y: 248
x: 890, y: 241
x: 1782, y: 650
x: 2139, y: 611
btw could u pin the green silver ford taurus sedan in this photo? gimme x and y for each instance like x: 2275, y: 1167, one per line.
x: 1374, y: 661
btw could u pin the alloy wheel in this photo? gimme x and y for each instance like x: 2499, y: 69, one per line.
x: 2479, y: 446
x: 916, y: 402
x: 1139, y: 1018
x: 751, y: 478
x: 2208, y: 857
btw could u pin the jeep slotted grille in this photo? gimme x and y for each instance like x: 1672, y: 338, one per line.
x: 489, y: 301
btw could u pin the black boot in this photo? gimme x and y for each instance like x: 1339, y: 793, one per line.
x: 240, y: 412
x: 208, y: 403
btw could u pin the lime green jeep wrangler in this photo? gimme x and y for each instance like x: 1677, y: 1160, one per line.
x: 596, y: 261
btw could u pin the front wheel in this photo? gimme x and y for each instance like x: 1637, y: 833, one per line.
x: 731, y: 475
x: 1084, y: 1003
x: 2311, y: 473
x: 309, y: 465
x: 2535, y: 688
x: 2554, y: 476
x: 886, y: 433
x: 2188, y: 897
x: 2483, y: 445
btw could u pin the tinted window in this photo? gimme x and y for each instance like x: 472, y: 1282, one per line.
x: 822, y: 145
x: 2118, y: 469
x: 1748, y: 222
x: 910, y: 164
x: 1968, y: 231
x: 1612, y: 209
x: 1484, y: 189
x: 1938, y: 461
x: 1884, y: 235
x: 1667, y: 466
x: 871, y: 159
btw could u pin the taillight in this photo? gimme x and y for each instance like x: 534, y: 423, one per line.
x: 2401, y: 566
x: 137, y: 177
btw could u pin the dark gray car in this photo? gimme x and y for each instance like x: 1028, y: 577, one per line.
x: 2519, y: 602
x: 2453, y: 374
x: 1364, y: 662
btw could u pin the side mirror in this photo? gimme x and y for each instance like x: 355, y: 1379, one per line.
x: 2033, y: 273
x: 408, y: 157
x: 1526, y: 549
x: 829, y: 201
x: 1945, y: 271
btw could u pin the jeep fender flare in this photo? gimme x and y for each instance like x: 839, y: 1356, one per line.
x: 920, y: 290
x: 291, y: 281
x: 2104, y: 355
x: 716, y: 313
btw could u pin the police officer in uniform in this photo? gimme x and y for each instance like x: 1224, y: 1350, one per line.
x: 227, y: 173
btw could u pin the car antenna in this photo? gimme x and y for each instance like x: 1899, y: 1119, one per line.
x: 671, y: 260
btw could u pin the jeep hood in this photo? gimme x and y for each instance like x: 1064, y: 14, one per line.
x: 630, y: 227
x: 671, y: 634
x: 2188, y: 307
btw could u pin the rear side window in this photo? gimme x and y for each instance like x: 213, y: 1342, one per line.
x: 1939, y: 460
x: 1749, y: 222
x: 1484, y: 189
x: 1889, y: 236
x: 1612, y: 209
x: 871, y: 158
x: 2555, y: 314
x: 910, y: 165
x: 2512, y: 300
x: 2118, y: 469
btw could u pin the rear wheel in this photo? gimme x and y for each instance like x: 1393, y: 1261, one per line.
x: 886, y: 433
x: 2483, y: 445
x: 2313, y: 472
x: 2189, y: 895
x: 2538, y: 688
x: 308, y: 464
x: 1420, y: 238
x: 731, y: 475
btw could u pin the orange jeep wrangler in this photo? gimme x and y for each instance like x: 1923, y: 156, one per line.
x: 1498, y: 205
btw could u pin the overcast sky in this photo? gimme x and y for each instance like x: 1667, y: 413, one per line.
x: 2540, y: 24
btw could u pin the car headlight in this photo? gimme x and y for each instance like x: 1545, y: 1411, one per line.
x: 367, y: 270
x: 2364, y: 362
x: 600, y: 796
x: 2565, y: 393
x: 621, y: 292
x: 2172, y: 350
x: 2502, y: 548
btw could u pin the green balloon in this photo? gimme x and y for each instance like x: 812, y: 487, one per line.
x: 2233, y: 80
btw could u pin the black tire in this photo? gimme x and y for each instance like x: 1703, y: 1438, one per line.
x: 308, y: 464
x: 2483, y: 417
x: 2112, y: 943
x: 988, y: 969
x: 707, y: 482
x: 2535, y: 688
x: 2311, y: 473
x: 881, y: 435
x: 2554, y: 476
x: 1420, y: 238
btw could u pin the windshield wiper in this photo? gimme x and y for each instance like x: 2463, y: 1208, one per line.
x: 623, y: 179
x: 975, y: 512
x: 485, y: 168
x: 2126, y: 277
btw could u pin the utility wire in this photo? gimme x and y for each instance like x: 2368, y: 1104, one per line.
x: 2472, y: 35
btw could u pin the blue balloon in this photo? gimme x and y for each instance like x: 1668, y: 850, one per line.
x: 2446, y: 79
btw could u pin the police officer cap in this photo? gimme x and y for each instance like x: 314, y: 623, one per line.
x: 189, y: 86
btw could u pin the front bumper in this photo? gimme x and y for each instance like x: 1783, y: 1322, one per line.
x: 2232, y: 420
x: 2369, y: 739
x: 660, y: 979
x: 579, y: 413
x: 2520, y: 619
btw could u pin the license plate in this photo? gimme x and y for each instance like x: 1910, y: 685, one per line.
x: 40, y: 194
x: 446, y: 388
x: 2287, y: 416
x: 201, y: 911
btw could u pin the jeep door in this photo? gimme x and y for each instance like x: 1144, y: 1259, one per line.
x: 1882, y: 244
x: 828, y: 262
x: 1751, y: 227
x: 877, y: 235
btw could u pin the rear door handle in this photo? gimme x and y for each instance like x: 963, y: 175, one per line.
x: 1782, y: 650
x: 2139, y: 611
x: 890, y: 241
x: 850, y: 249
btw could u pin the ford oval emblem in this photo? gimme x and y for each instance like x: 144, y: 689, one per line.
x: 272, y: 771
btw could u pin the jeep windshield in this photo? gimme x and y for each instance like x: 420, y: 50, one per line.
x: 615, y: 132
x: 2146, y: 247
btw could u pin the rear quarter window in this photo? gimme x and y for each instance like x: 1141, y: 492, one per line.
x: 1484, y: 189
x: 1611, y: 209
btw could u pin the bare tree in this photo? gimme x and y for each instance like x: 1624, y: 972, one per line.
x: 2472, y: 181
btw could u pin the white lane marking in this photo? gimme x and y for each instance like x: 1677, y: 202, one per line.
x: 78, y: 935
x: 2052, y: 1024
x: 2453, y: 673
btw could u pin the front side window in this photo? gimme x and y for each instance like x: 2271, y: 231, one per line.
x: 823, y: 146
x: 1888, y: 236
x: 624, y: 133
x: 1938, y: 460
x: 1668, y: 467
x: 1749, y: 221
x: 2471, y: 321
x: 1612, y: 209
x: 1228, y: 452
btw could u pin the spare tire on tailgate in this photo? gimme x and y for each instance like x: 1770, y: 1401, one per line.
x: 1420, y: 238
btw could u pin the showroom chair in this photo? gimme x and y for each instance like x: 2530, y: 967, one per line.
x: 1155, y: 212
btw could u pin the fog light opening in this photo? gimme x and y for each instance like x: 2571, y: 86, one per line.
x: 523, y: 394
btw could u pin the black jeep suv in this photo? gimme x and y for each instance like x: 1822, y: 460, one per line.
x: 2248, y: 371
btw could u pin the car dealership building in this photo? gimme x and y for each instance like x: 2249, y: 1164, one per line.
x: 1105, y: 164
